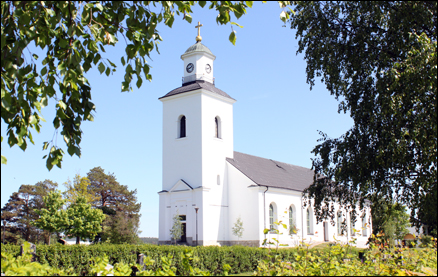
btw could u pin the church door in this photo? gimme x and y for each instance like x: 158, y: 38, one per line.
x: 183, y: 237
x: 326, y: 231
x: 183, y: 223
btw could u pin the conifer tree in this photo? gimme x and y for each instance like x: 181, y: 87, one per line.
x: 19, y: 212
x: 118, y: 203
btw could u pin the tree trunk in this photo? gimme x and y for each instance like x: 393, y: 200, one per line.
x: 77, y: 240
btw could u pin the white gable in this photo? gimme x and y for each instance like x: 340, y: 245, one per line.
x: 181, y: 185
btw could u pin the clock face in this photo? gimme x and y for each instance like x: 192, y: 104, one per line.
x: 190, y: 68
x: 208, y: 68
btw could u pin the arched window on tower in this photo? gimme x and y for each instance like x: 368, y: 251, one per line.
x: 182, y: 127
x: 217, y: 127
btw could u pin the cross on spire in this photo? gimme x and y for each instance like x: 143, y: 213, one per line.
x: 199, y: 38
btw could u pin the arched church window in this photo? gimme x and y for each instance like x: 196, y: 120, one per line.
x: 217, y: 127
x: 309, y: 221
x: 339, y: 223
x: 292, y: 226
x: 182, y: 127
x: 271, y: 217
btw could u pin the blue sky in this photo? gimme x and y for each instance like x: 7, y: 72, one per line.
x: 276, y: 116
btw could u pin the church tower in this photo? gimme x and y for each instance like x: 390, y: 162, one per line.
x: 197, y: 139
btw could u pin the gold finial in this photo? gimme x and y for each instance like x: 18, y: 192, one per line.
x: 199, y: 38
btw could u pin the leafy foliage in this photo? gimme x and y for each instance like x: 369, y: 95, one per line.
x: 84, y: 222
x: 177, y: 229
x: 23, y: 265
x: 74, y: 36
x: 379, y: 60
x: 390, y: 219
x: 52, y: 218
x: 338, y: 259
x: 79, y: 187
x: 20, y: 211
x: 238, y: 229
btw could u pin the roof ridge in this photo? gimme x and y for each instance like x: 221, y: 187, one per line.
x: 272, y: 160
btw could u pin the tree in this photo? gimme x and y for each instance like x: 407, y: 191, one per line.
x: 238, y: 228
x: 391, y: 219
x: 177, y: 229
x: 84, y: 221
x: 20, y: 211
x: 116, y: 201
x: 52, y: 218
x: 379, y: 60
x: 74, y: 36
x: 79, y: 187
x: 119, y: 229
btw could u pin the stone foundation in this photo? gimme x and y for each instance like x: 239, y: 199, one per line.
x: 191, y: 242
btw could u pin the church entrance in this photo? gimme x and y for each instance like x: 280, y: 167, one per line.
x: 184, y: 234
x: 326, y: 233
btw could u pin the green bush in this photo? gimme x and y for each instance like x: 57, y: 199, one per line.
x: 427, y: 241
x: 337, y: 259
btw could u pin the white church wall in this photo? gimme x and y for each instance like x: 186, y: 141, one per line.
x: 182, y: 156
x: 183, y: 203
x: 282, y: 199
x: 243, y: 203
x: 214, y: 154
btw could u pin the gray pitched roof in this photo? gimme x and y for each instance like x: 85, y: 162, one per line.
x: 270, y: 173
x: 194, y: 86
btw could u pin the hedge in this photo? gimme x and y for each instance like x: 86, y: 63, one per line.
x: 210, y: 258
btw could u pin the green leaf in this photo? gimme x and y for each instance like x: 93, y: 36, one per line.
x: 232, y: 37
x: 139, y: 82
x: 234, y: 23
x: 43, y: 71
x: 4, y: 160
x: 249, y: 3
x: 62, y: 105
x: 202, y: 3
x: 101, y: 67
x: 284, y: 16
x: 188, y: 18
x: 32, y: 120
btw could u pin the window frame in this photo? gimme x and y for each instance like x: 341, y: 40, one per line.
x: 309, y: 221
x: 217, y: 127
x: 182, y: 126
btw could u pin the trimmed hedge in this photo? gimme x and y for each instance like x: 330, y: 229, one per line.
x: 210, y: 258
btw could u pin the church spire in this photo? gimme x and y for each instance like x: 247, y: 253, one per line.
x: 199, y: 38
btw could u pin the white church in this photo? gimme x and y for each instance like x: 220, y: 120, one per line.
x: 210, y: 185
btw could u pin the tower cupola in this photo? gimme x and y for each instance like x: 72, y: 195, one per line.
x: 198, y: 62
